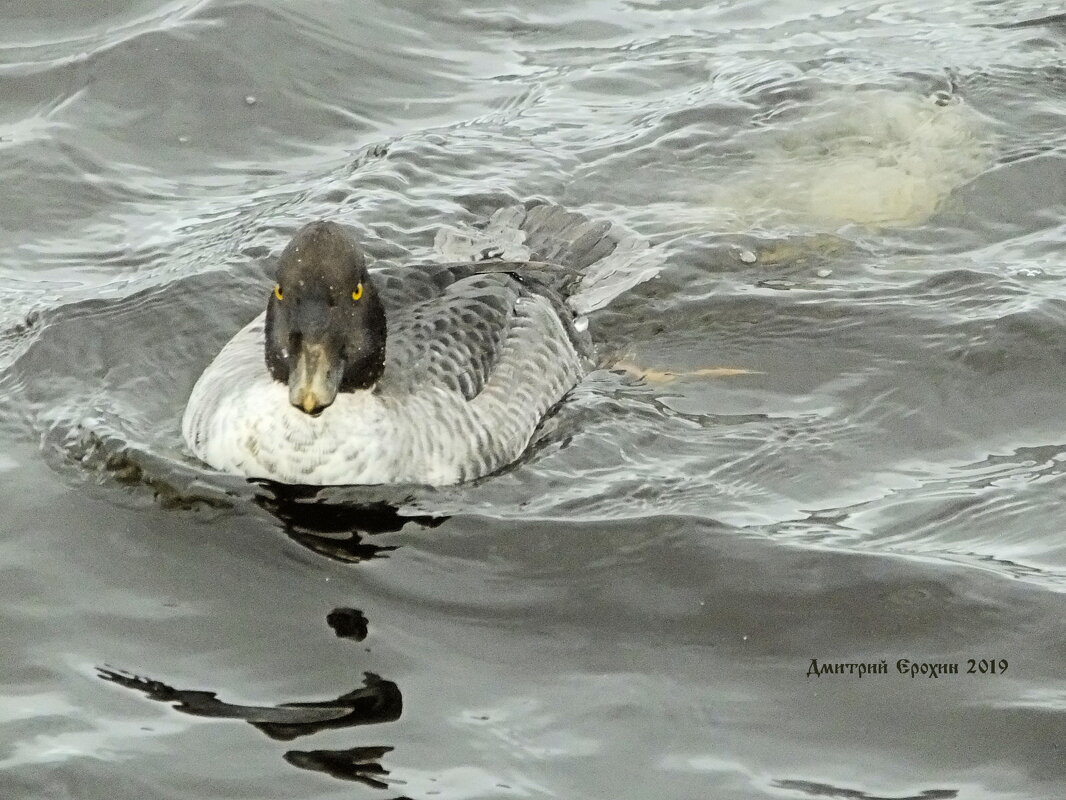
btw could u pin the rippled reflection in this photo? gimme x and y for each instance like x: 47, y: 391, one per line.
x: 813, y: 789
x: 340, y: 527
x: 376, y: 702
x: 359, y: 764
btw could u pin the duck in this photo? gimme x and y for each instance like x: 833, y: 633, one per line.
x: 435, y: 374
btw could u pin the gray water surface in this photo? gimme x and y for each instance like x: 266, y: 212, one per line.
x: 857, y: 455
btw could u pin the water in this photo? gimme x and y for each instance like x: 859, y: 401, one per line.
x: 858, y: 210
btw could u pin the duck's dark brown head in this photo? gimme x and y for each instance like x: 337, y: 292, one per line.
x: 325, y: 324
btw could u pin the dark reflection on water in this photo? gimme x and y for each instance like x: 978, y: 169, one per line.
x: 335, y: 523
x: 376, y: 702
x: 812, y: 789
x: 327, y: 525
x: 339, y: 529
x: 354, y: 764
x: 348, y: 623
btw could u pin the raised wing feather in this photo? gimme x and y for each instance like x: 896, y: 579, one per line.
x: 608, y: 258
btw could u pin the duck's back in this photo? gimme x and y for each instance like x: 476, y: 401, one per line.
x: 477, y: 354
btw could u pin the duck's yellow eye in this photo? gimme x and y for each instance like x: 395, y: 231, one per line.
x: 277, y: 291
x: 358, y: 291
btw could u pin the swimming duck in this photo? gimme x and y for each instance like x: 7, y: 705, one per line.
x: 432, y: 374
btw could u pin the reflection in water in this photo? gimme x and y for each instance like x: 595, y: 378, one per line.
x: 377, y: 701
x: 348, y: 623
x: 357, y: 764
x: 349, y: 548
x: 824, y: 790
x: 336, y: 527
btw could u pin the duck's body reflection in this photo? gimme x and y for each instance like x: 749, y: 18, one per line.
x: 338, y: 527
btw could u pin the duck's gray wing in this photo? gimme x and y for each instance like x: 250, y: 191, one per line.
x: 447, y: 321
x: 453, y: 339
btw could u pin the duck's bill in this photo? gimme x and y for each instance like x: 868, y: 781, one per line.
x: 314, y: 382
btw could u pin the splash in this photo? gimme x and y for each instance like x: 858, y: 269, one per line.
x: 871, y: 157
